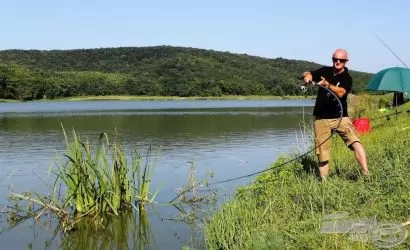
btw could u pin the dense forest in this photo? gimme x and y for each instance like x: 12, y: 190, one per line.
x: 154, y: 71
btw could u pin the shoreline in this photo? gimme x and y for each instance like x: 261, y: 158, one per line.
x: 162, y: 98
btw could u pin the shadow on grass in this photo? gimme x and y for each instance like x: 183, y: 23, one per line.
x: 310, y: 167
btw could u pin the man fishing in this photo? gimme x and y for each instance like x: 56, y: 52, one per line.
x: 327, y: 111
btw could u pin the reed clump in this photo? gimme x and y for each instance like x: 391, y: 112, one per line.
x: 92, y: 182
x: 102, y: 182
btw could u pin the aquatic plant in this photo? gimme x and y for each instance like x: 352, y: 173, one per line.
x: 92, y: 182
x: 189, y: 193
x: 96, y: 184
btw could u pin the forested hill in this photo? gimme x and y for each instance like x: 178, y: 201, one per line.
x: 160, y: 71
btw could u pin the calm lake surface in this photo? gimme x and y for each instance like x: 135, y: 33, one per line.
x: 229, y: 138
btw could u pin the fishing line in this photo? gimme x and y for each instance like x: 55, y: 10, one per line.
x: 298, y: 157
x: 303, y: 89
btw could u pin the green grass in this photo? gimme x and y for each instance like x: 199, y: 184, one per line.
x: 167, y: 98
x: 285, y: 208
x: 380, y: 100
x: 8, y: 100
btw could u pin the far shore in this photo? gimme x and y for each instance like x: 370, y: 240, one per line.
x: 163, y: 98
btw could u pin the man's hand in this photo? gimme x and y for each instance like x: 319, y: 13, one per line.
x: 307, y: 77
x: 324, y: 82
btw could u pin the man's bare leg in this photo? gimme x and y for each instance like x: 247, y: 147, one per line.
x: 361, y: 156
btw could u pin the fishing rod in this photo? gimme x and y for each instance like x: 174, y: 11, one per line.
x: 302, y: 88
x: 388, y: 116
x: 398, y: 58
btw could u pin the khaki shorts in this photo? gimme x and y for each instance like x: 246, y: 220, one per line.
x: 323, y: 129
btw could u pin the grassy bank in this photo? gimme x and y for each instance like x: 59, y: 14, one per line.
x: 163, y: 98
x: 379, y: 100
x: 286, y: 208
x: 167, y: 98
x: 8, y: 100
x: 376, y: 99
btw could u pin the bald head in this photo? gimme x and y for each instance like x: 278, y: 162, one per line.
x: 339, y: 59
x: 341, y: 54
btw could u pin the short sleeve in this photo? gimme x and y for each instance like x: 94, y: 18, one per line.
x: 347, y: 84
x: 316, y: 74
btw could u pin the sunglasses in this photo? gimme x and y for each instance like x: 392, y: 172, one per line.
x: 334, y: 59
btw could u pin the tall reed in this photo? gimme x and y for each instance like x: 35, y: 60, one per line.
x: 93, y: 181
x: 97, y: 182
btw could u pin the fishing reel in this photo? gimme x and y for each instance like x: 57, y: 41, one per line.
x: 303, y: 88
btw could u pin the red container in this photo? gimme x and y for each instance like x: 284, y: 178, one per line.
x: 362, y: 125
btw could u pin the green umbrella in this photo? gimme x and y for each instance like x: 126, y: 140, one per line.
x: 395, y: 79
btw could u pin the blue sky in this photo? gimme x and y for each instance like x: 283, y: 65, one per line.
x: 294, y: 29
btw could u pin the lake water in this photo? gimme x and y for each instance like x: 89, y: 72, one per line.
x: 229, y: 138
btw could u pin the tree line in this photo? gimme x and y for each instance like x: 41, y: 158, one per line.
x: 152, y: 71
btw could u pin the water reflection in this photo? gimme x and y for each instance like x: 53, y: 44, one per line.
x: 104, y: 106
x: 131, y: 230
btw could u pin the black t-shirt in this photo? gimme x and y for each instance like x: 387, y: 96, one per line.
x: 326, y: 105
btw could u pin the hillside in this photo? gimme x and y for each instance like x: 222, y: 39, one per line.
x: 155, y: 71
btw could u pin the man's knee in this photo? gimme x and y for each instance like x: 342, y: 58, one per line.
x: 323, y: 164
x: 355, y: 145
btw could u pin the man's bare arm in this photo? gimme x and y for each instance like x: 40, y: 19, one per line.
x: 339, y: 91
